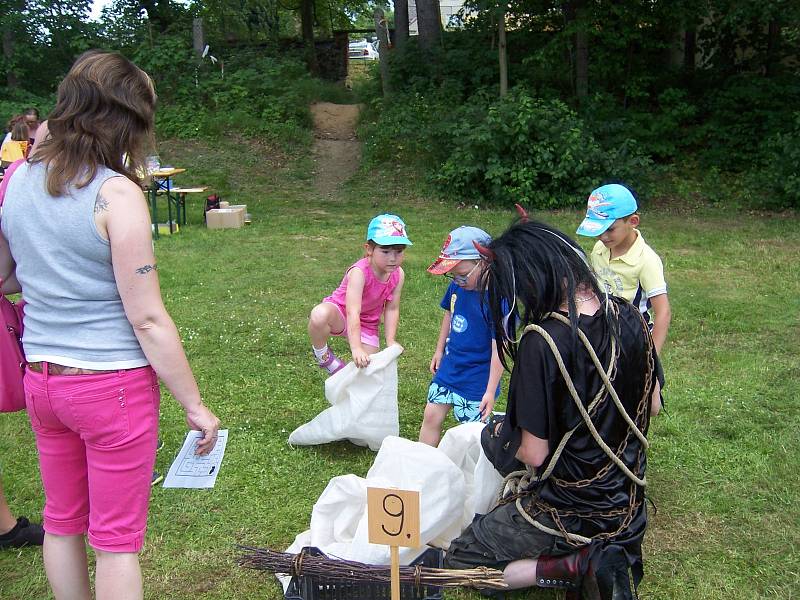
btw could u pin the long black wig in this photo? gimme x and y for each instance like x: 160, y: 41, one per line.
x: 532, y: 269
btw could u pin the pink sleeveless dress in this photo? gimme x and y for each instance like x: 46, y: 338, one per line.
x: 376, y: 294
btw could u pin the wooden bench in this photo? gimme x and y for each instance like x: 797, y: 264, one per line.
x: 178, y: 196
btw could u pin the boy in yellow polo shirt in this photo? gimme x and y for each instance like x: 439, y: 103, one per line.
x: 622, y: 260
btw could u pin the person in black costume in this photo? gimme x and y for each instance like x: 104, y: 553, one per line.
x: 579, y: 487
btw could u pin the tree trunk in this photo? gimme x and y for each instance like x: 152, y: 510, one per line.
x: 429, y: 23
x: 198, y: 40
x: 773, y: 44
x: 575, y: 19
x: 581, y: 52
x: 690, y: 50
x: 307, y: 27
x: 382, y: 32
x: 501, y: 52
x: 677, y: 46
x: 8, y: 53
x: 400, y: 23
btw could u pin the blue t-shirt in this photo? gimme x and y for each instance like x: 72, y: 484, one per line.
x: 464, y: 367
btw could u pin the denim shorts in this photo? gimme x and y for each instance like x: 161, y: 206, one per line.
x: 96, y: 435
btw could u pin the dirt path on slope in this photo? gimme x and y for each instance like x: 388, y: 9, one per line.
x: 337, y: 152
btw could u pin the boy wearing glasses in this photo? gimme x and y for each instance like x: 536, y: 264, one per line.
x: 466, y: 368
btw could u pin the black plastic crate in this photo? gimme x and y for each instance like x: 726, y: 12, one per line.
x: 316, y: 588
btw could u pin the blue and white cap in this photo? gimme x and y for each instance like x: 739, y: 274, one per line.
x: 388, y: 230
x: 606, y: 204
x: 459, y: 246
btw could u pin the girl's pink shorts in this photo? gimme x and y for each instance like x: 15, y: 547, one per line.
x: 368, y: 337
x: 96, y: 435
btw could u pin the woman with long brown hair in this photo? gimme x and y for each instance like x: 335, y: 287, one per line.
x: 77, y: 243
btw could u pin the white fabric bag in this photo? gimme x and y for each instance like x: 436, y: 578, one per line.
x: 339, y: 525
x: 462, y: 445
x: 363, y: 405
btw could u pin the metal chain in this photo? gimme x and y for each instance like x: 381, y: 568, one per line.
x: 521, y: 484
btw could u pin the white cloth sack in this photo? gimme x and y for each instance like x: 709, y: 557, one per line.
x: 363, y: 405
x: 462, y: 445
x: 455, y: 482
x: 339, y: 525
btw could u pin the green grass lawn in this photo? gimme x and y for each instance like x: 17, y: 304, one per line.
x: 723, y: 467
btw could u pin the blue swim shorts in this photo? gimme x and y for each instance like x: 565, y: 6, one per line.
x: 466, y: 411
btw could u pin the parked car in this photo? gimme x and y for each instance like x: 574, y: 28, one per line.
x: 362, y: 50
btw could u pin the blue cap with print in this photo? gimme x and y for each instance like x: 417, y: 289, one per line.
x: 606, y: 204
x: 459, y: 246
x: 388, y: 230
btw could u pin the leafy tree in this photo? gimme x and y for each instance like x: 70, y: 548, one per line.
x: 41, y: 38
x: 123, y: 24
x: 251, y: 20
x: 14, y: 35
x: 362, y: 16
x: 160, y: 13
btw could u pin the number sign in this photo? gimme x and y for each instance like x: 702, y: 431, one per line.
x: 393, y: 517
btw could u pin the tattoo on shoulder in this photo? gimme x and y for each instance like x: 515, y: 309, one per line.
x: 100, y: 205
x: 146, y: 269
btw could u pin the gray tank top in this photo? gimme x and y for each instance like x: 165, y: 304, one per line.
x: 74, y: 315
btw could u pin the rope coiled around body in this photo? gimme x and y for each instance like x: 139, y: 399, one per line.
x: 516, y: 485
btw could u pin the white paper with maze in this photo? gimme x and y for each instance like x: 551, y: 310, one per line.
x: 192, y: 471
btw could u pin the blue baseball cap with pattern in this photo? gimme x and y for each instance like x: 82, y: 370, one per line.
x: 388, y: 230
x: 606, y: 204
x: 459, y: 246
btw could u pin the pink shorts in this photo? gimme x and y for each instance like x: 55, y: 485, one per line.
x: 96, y: 436
x: 368, y: 336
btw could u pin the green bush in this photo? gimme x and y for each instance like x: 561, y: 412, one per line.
x: 256, y: 94
x: 462, y: 64
x: 779, y: 173
x: 530, y: 150
x: 410, y: 128
x: 169, y: 60
x: 746, y: 110
x: 665, y: 130
x: 711, y: 116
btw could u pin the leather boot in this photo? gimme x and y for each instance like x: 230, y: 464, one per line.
x: 563, y: 572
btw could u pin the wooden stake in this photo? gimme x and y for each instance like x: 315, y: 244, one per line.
x: 393, y: 517
x: 395, y: 553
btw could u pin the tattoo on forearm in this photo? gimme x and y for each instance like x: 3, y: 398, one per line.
x: 146, y: 269
x: 100, y: 205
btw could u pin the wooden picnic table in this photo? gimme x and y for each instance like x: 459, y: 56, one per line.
x: 176, y: 196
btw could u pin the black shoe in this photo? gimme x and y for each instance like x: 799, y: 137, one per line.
x: 24, y: 533
x: 157, y: 478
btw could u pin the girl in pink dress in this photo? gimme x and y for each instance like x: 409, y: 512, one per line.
x: 370, y: 289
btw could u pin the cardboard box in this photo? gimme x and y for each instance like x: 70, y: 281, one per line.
x: 225, y: 218
x: 247, y: 218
